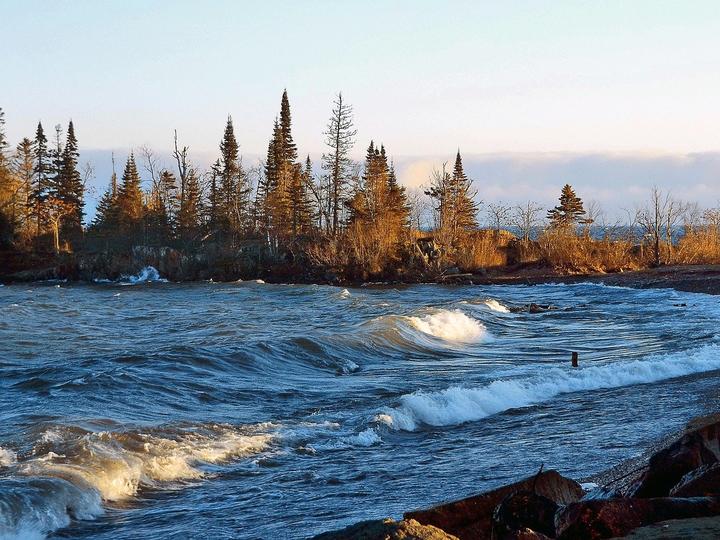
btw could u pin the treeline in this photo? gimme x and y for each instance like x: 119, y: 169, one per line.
x: 349, y: 217
x: 355, y: 220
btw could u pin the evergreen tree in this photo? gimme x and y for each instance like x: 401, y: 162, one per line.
x: 71, y: 189
x: 340, y: 139
x: 397, y: 202
x: 56, y: 165
x: 455, y: 205
x: 106, y: 213
x: 41, y: 180
x: 10, y: 209
x: 569, y: 212
x: 213, y: 209
x: 289, y: 150
x: 130, y: 198
x: 233, y: 190
x: 23, y: 170
x: 301, y: 214
x: 465, y: 211
x: 188, y: 221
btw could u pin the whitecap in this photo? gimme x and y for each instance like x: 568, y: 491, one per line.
x: 494, y: 305
x: 7, y: 457
x: 457, y: 404
x: 148, y: 274
x: 454, y: 326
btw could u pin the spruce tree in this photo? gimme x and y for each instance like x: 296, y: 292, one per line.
x: 41, y: 180
x: 130, y: 197
x: 233, y: 190
x: 23, y: 168
x: 465, y: 207
x: 289, y: 150
x: 569, y: 212
x: 71, y: 189
x: 10, y: 210
x: 188, y: 220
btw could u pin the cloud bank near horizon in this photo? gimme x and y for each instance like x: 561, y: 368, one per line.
x: 618, y: 182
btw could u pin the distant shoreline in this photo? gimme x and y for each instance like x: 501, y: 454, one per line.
x: 686, y: 278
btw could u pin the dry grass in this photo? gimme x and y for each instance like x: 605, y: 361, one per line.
x: 566, y: 251
x: 698, y: 246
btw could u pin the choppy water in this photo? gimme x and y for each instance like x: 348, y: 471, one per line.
x: 246, y: 410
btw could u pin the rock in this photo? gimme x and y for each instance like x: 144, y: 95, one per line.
x: 668, y: 466
x: 521, y: 511
x: 471, y: 518
x: 387, y: 529
x: 617, y: 517
x: 532, y: 308
x: 701, y: 482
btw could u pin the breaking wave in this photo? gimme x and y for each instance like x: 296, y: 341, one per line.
x: 70, y: 470
x: 494, y: 305
x: 149, y: 274
x: 452, y: 326
x: 457, y: 405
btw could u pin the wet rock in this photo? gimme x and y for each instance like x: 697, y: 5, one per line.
x: 471, y: 518
x: 617, y: 517
x: 667, y: 467
x: 702, y: 481
x: 601, y: 493
x: 532, y: 308
x: 387, y: 529
x: 522, y: 511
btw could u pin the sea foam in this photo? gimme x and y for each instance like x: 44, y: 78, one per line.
x: 148, y: 274
x: 453, y: 326
x: 457, y: 404
x: 494, y: 305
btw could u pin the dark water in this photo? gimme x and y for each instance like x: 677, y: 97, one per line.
x: 245, y: 410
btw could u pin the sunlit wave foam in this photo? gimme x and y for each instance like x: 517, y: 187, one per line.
x: 70, y: 470
x: 452, y: 326
x: 149, y: 274
x: 457, y: 405
x: 494, y: 305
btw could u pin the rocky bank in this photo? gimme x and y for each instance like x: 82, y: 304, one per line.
x: 673, y: 491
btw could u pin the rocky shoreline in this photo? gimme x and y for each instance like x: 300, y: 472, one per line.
x: 672, y: 491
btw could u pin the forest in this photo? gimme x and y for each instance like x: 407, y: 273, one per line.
x: 284, y: 219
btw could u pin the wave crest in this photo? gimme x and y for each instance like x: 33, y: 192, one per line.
x: 457, y: 405
x: 454, y: 326
x: 148, y: 274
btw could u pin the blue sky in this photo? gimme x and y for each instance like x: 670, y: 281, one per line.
x: 639, y: 80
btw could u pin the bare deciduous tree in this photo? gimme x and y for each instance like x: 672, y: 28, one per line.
x: 498, y: 215
x: 526, y: 217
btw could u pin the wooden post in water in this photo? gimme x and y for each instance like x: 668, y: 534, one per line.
x: 574, y: 359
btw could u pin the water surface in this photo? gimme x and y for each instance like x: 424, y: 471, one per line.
x: 249, y: 410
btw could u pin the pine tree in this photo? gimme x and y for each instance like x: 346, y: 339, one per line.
x: 130, y: 198
x: 570, y: 210
x: 340, y: 139
x: 213, y: 209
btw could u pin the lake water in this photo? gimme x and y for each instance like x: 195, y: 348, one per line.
x: 145, y: 409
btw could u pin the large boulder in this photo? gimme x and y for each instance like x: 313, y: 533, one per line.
x: 667, y: 467
x: 471, y: 518
x: 611, y: 518
x: 521, y: 512
x: 387, y: 529
x: 701, y: 482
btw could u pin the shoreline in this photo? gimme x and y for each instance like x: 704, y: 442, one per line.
x: 686, y: 278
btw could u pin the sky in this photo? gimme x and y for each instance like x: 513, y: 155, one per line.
x: 611, y: 96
